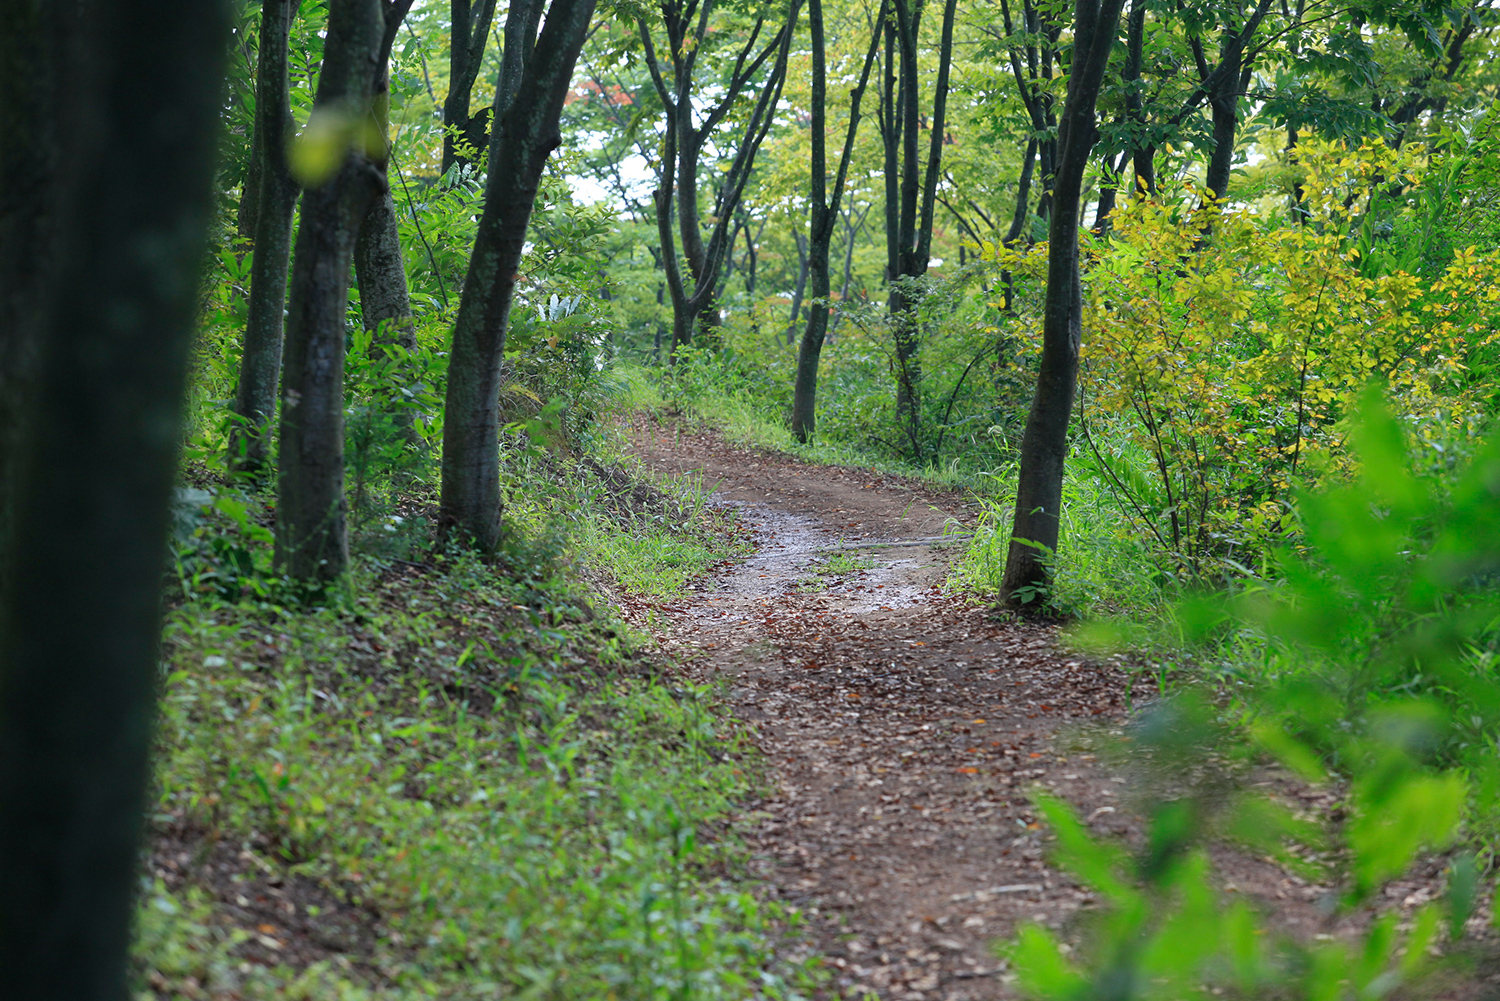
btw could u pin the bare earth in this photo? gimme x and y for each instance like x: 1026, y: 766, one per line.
x: 904, y: 730
x: 904, y: 727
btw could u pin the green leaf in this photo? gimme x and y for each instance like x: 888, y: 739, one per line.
x: 1042, y: 968
x: 1288, y: 750
x: 317, y: 152
x: 1395, y: 820
x: 1463, y: 890
x: 1092, y: 861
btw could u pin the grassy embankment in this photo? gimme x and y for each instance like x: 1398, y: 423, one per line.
x: 445, y: 779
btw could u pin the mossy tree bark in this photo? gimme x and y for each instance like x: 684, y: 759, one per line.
x: 80, y: 623
x: 311, y: 535
x: 535, y: 78
x: 1044, y: 444
x: 260, y: 359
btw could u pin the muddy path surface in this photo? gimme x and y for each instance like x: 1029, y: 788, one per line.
x: 903, y: 728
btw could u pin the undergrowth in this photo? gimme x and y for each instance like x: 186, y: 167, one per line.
x: 493, y: 780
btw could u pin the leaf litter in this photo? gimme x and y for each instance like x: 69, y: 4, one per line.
x: 904, y: 728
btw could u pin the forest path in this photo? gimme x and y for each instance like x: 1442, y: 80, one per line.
x: 902, y: 728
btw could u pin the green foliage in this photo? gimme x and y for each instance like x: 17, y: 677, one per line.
x: 1101, y: 567
x: 467, y: 758
x: 1375, y: 648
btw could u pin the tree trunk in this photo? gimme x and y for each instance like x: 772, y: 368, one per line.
x: 1222, y: 86
x: 1225, y: 107
x: 799, y: 291
x: 380, y: 268
x: 1109, y: 194
x: 80, y: 623
x: 471, y: 28
x: 247, y: 216
x: 33, y: 34
x: 825, y: 213
x: 908, y: 246
x: 683, y: 145
x: 260, y: 360
x: 311, y: 538
x: 753, y: 256
x: 851, y: 232
x: 1044, y: 445
x: 525, y: 134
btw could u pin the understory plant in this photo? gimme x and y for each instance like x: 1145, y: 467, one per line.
x: 1365, y: 665
x: 483, y: 775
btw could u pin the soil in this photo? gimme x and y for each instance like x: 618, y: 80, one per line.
x: 905, y: 729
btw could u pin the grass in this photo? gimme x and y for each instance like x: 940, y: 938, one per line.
x: 659, y: 564
x: 492, y: 779
x: 746, y: 419
x: 836, y: 564
x: 1101, y: 568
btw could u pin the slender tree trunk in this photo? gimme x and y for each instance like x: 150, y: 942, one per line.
x: 752, y: 256
x: 825, y: 214
x: 1225, y: 107
x: 380, y: 268
x: 682, y: 148
x: 799, y: 291
x: 1019, y: 218
x: 1044, y: 445
x: 909, y: 256
x: 470, y: 24
x: 525, y: 134
x: 311, y: 535
x: 260, y: 359
x: 851, y: 230
x: 1222, y: 86
x: 81, y: 619
x: 1108, y: 195
x: 1141, y: 154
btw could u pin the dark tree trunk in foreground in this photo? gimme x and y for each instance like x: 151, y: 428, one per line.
x: 79, y: 628
x: 471, y: 28
x: 825, y: 213
x: 260, y: 361
x: 31, y: 39
x: 379, y: 266
x: 311, y: 538
x: 1044, y: 445
x: 525, y: 134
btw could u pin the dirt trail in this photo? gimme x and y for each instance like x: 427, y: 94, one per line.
x: 904, y: 729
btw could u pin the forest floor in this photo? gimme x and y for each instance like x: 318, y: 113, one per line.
x: 903, y: 729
